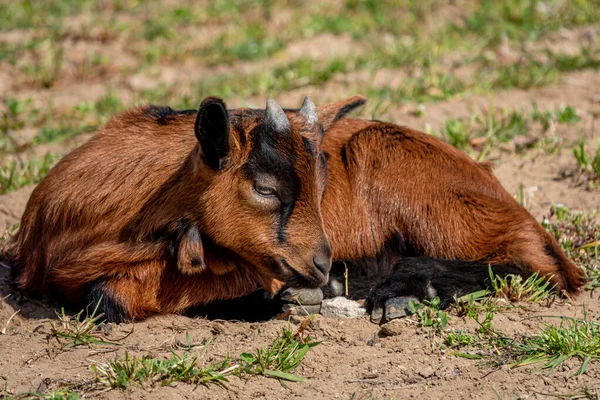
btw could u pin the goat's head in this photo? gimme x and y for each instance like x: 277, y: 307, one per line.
x: 266, y: 178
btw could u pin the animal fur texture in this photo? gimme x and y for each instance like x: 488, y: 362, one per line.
x: 163, y: 210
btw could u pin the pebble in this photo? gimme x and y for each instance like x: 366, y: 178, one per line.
x: 392, y: 328
x: 218, y: 328
x: 426, y: 371
x: 341, y: 307
x: 106, y: 329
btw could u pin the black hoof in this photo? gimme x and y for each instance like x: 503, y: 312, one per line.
x: 302, y: 301
x: 302, y: 296
x: 100, y: 299
x: 393, y: 308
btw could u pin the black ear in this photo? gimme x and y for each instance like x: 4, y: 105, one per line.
x: 330, y: 113
x: 212, y: 131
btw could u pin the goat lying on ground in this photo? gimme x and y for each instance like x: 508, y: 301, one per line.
x: 163, y: 210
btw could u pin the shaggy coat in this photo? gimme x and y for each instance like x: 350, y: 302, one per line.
x: 163, y: 210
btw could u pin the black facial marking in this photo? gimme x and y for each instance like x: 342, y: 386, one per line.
x: 309, y: 146
x: 163, y: 115
x: 274, y: 155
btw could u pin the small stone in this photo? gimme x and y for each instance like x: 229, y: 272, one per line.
x: 341, y: 307
x: 372, y: 341
x: 44, y: 384
x: 392, y: 328
x: 427, y: 371
x: 106, y: 329
x: 218, y: 329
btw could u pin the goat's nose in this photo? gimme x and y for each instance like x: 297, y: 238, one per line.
x: 322, y: 261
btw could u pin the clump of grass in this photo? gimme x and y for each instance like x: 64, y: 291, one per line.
x: 54, y: 395
x: 278, y: 361
x: 59, y: 134
x: 473, y: 304
x: 15, y: 174
x: 481, y: 308
x: 525, y: 19
x: 579, y: 236
x: 428, y: 314
x: 456, y: 338
x: 514, y: 288
x: 572, y: 338
x: 565, y: 115
x: 123, y: 372
x: 552, y: 345
x: 481, y: 132
x: 588, y: 172
x: 12, y: 120
x: 79, y: 330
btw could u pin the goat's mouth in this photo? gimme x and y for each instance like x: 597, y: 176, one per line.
x: 310, y: 278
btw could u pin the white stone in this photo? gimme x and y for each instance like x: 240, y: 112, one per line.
x: 341, y: 307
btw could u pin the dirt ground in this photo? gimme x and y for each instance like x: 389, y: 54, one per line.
x: 353, y: 360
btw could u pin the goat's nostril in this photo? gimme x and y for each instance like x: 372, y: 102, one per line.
x: 323, y: 263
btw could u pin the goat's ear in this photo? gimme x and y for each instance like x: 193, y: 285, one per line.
x: 190, y: 254
x: 212, y: 131
x: 330, y: 113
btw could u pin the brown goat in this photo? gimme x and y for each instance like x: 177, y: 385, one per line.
x: 146, y: 218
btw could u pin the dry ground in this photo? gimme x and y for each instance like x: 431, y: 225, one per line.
x: 456, y: 69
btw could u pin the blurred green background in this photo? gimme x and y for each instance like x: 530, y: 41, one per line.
x: 67, y: 66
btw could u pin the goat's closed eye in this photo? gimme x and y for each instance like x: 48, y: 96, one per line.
x: 266, y: 191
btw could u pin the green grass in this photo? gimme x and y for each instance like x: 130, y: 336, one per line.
x: 588, y: 165
x: 456, y: 338
x: 79, y: 330
x: 428, y: 314
x: 515, y: 288
x: 123, y: 372
x: 553, y: 345
x: 279, y: 360
x: 54, y: 395
x: 522, y: 20
x: 13, y: 119
x: 579, y: 236
x: 59, y: 134
x: 550, y: 346
x: 15, y: 174
x: 481, y: 132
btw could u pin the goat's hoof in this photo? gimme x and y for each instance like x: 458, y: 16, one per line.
x: 302, y: 301
x: 335, y: 287
x: 393, y: 308
x: 302, y: 296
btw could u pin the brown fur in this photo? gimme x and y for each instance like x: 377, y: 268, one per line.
x: 137, y: 210
x: 386, y: 181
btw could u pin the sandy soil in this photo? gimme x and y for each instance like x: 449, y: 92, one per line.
x: 353, y: 360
